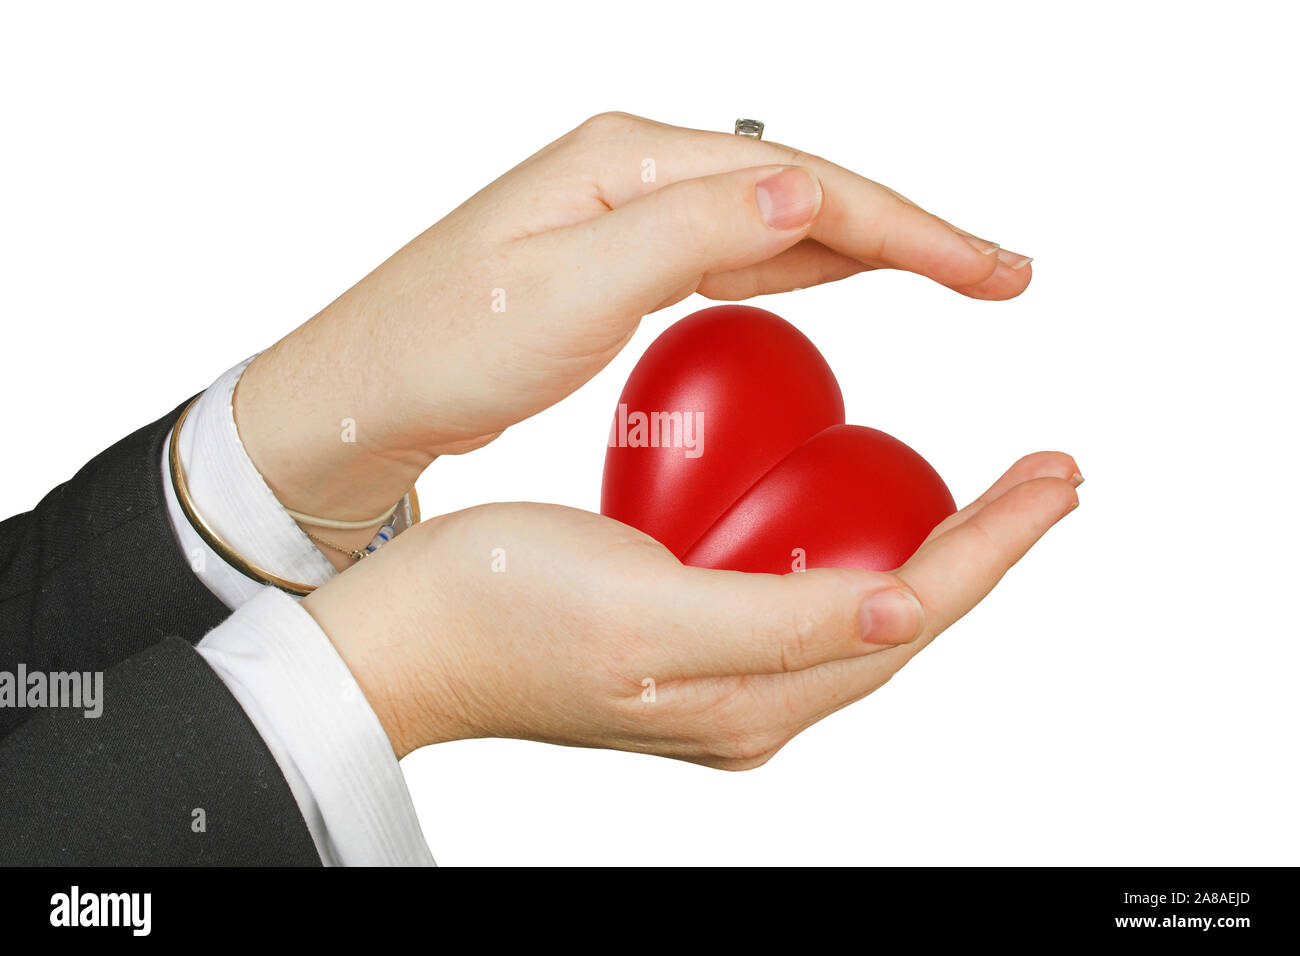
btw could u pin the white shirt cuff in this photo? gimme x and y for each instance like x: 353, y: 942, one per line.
x: 233, y: 497
x: 320, y: 729
x: 273, y: 657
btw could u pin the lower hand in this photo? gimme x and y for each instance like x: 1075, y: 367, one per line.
x: 547, y: 623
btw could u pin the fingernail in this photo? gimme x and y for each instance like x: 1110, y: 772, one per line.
x: 788, y: 199
x: 1013, y: 259
x: 1076, y: 479
x: 982, y: 245
x: 891, y: 617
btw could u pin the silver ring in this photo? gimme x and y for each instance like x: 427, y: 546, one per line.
x: 749, y: 127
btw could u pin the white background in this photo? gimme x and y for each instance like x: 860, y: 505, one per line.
x: 180, y: 188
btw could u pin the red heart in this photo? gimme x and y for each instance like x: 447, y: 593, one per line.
x: 729, y: 447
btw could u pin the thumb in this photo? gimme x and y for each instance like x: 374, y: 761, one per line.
x: 730, y: 622
x: 652, y: 247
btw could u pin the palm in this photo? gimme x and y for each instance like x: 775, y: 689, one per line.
x: 669, y: 620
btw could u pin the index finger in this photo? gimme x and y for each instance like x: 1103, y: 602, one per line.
x: 954, y: 571
x: 950, y: 574
x: 859, y: 218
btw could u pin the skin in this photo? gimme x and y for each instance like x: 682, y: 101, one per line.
x: 558, y: 646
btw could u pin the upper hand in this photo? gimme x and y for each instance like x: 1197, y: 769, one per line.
x: 525, y: 291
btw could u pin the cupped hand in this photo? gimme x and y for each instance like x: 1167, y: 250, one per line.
x: 551, y: 624
x: 525, y: 291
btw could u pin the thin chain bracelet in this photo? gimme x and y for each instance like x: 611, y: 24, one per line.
x: 228, y: 554
x: 381, y: 538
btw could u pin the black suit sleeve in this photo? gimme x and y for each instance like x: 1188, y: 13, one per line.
x: 93, y: 574
x: 172, y: 773
x: 91, y: 579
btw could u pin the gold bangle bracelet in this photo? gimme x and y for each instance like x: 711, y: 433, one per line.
x: 214, y: 540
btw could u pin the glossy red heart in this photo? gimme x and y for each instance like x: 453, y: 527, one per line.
x: 729, y: 447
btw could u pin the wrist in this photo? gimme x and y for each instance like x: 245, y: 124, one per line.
x: 318, y: 441
x: 403, y: 675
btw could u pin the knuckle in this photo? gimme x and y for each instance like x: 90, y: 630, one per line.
x: 756, y: 755
x: 790, y: 156
x: 807, y: 624
x: 607, y: 125
x: 1049, y: 463
x: 1045, y: 494
x: 745, y: 747
x: 692, y: 212
x: 890, y: 579
x: 740, y: 766
x: 879, y: 241
x: 797, y: 641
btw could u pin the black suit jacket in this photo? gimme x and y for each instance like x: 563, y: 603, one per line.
x: 92, y: 580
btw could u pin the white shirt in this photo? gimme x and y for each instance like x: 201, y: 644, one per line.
x: 277, y: 662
